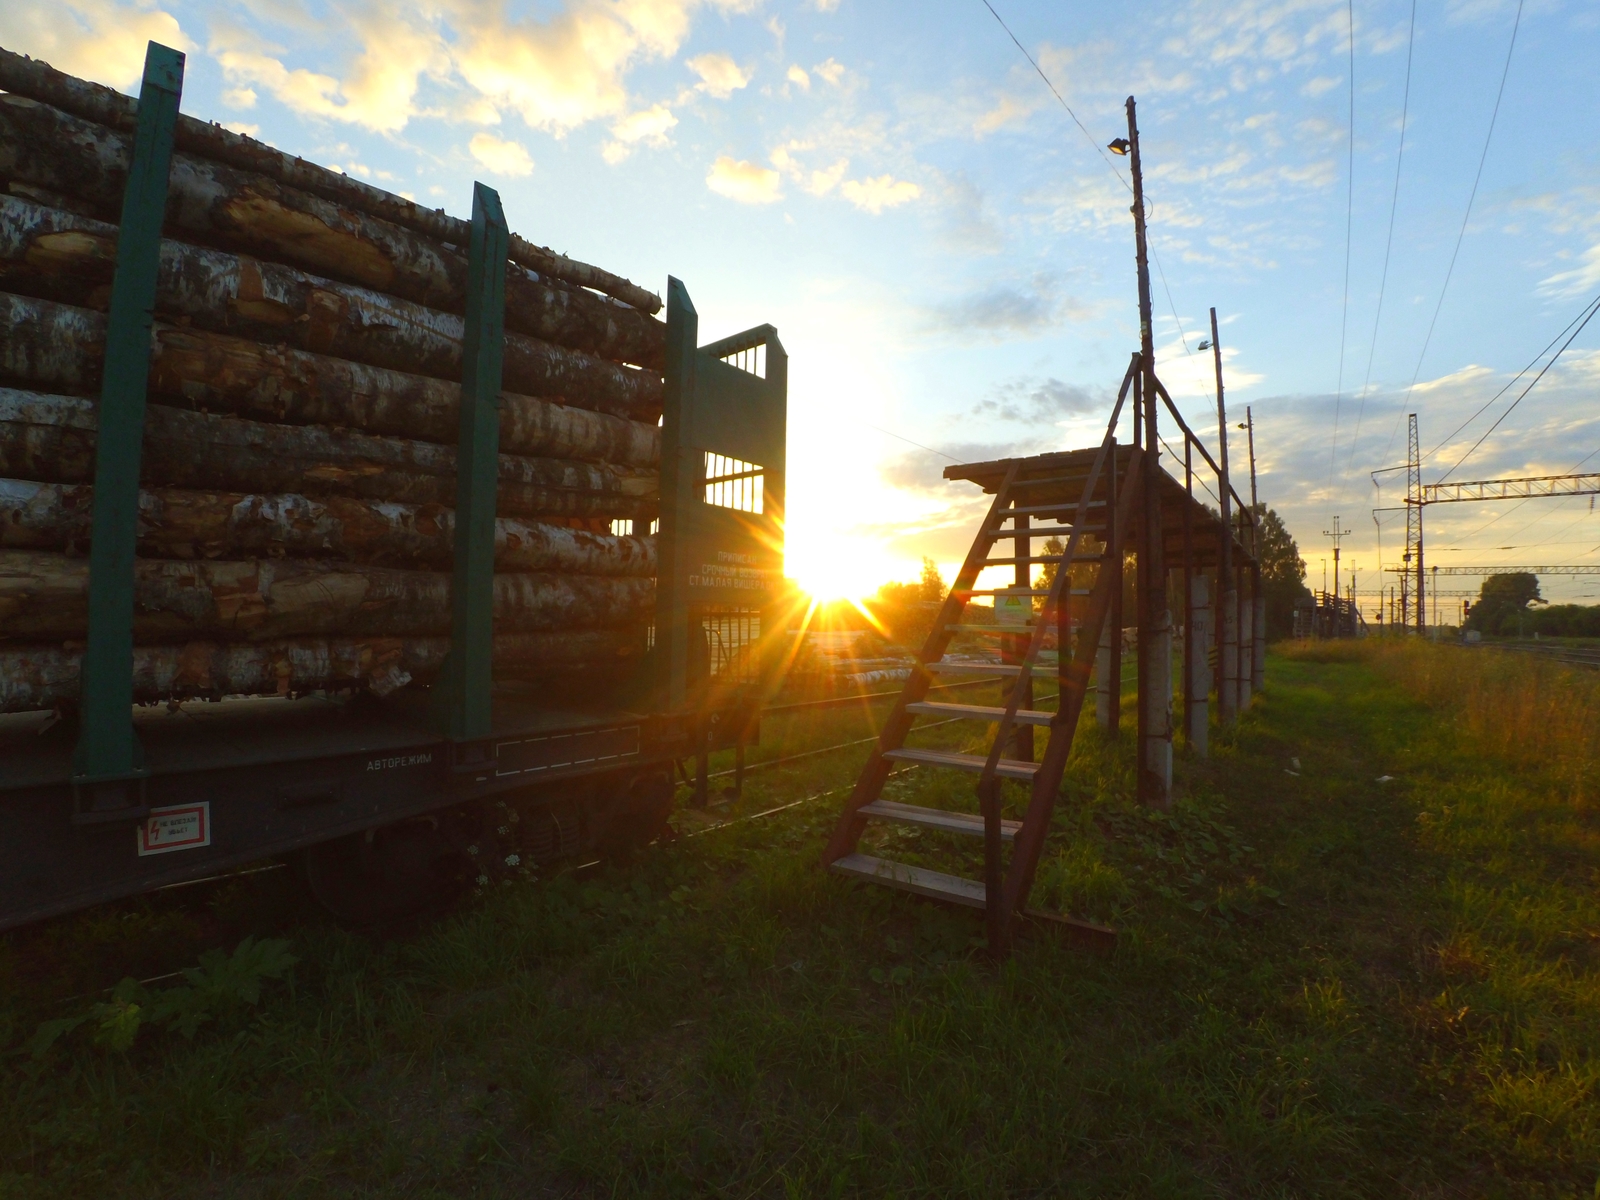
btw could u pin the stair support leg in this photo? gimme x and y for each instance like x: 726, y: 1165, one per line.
x: 898, y: 723
x: 995, y: 913
x: 1028, y: 843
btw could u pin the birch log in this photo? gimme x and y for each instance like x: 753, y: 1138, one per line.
x: 59, y: 348
x: 38, y: 80
x: 174, y: 523
x: 45, y: 597
x: 43, y: 147
x: 51, y: 439
x: 59, y: 255
x: 40, y: 677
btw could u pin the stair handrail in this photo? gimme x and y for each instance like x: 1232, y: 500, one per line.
x: 1052, y: 601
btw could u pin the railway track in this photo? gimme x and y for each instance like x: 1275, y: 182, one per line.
x: 1577, y: 656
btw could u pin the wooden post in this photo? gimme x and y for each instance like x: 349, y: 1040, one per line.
x: 1014, y: 647
x: 109, y: 762
x: 1155, y: 619
x: 1190, y: 648
x: 1111, y: 672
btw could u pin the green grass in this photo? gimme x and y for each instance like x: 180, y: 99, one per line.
x: 1323, y: 986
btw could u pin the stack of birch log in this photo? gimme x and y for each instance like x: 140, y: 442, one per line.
x: 298, y: 473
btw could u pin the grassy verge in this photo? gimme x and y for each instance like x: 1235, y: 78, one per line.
x: 1325, y: 985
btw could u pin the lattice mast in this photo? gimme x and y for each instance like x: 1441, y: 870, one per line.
x: 1414, y: 502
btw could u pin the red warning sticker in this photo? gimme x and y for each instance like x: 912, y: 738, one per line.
x: 180, y: 827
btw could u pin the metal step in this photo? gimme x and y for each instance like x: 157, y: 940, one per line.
x: 1005, y: 591
x: 1040, y: 558
x: 980, y: 712
x: 934, y: 818
x: 1009, y: 768
x: 1051, y: 480
x: 934, y: 884
x: 968, y: 668
x: 1032, y: 509
x: 1004, y: 532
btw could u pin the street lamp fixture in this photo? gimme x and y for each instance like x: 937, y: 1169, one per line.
x: 1205, y: 345
x: 1118, y: 146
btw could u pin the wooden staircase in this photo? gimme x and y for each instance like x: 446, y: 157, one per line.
x: 1098, y: 497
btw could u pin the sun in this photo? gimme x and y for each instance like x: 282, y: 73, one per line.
x: 837, y: 568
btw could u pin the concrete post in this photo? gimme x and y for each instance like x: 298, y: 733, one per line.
x: 1197, y: 717
x: 1158, y: 741
x: 1228, y: 691
x: 1259, y: 642
x: 1247, y: 652
x: 1102, y: 679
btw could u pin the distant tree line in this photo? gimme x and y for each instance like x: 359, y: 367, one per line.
x: 1509, y: 605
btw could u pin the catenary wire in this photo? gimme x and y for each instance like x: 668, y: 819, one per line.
x: 1523, y: 394
x: 1511, y: 382
x: 1388, y: 244
x: 1349, y: 216
x: 1467, y: 216
x: 1100, y: 150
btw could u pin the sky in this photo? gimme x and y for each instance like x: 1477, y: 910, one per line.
x: 948, y: 255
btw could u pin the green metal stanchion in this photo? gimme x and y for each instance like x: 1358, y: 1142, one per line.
x: 462, y: 698
x: 680, y: 471
x: 108, y: 766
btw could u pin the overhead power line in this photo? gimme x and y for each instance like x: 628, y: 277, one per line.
x: 1388, y: 244
x: 1349, y: 215
x: 1595, y: 307
x: 1104, y: 157
x: 1445, y: 441
x: 1465, y: 218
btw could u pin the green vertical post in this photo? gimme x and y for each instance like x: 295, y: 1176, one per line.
x: 681, y: 470
x: 464, y: 693
x: 108, y: 751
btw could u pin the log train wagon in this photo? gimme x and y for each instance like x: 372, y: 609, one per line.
x: 336, y: 527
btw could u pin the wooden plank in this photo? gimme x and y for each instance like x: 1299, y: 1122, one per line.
x: 934, y: 818
x: 1091, y: 936
x: 934, y: 884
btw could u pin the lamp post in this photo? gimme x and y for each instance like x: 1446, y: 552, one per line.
x: 1155, y: 621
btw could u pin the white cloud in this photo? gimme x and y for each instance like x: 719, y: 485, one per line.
x: 1008, y: 110
x: 95, y: 39
x: 648, y: 127
x: 820, y: 183
x: 1583, y: 278
x: 830, y: 70
x: 557, y: 73
x: 826, y: 6
x: 378, y: 90
x: 500, y: 157
x: 798, y: 77
x: 244, y: 127
x: 875, y: 195
x: 744, y: 181
x: 1321, y: 85
x: 719, y: 75
x: 242, y: 97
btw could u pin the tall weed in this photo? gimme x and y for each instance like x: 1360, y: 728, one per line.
x: 1525, y: 711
